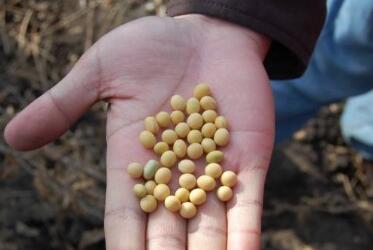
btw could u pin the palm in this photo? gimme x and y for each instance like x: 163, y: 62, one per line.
x: 137, y: 68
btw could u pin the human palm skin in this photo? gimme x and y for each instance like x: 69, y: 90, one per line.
x: 137, y: 68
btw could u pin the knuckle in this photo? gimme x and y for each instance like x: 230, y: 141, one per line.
x: 248, y: 204
x: 123, y: 213
x: 211, y: 231
x: 166, y: 241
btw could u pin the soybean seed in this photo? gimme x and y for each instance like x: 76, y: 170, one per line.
x: 214, y: 170
x: 188, y: 210
x: 215, y: 156
x: 187, y: 181
x: 148, y: 204
x: 182, y: 129
x: 163, y: 119
x: 178, y: 102
x: 150, y: 169
x: 197, y: 196
x: 161, y: 147
x: 169, y: 136
x: 208, y: 145
x: 192, y: 106
x: 195, y: 121
x: 147, y: 139
x: 150, y: 185
x: 180, y: 148
x: 163, y: 176
x: 207, y: 102
x: 186, y: 166
x: 194, y: 151
x: 201, y: 90
x: 208, y: 130
x: 139, y: 190
x: 206, y: 182
x: 161, y: 191
x: 221, y: 122
x: 228, y: 178
x: 172, y: 203
x: 194, y: 136
x: 177, y: 117
x: 168, y: 158
x: 221, y: 137
x: 224, y: 193
x: 182, y: 194
x: 151, y: 124
x: 209, y: 115
x: 135, y: 169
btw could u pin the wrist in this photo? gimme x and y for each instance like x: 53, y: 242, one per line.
x: 216, y: 28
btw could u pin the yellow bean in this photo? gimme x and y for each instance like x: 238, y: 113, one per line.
x: 197, y: 196
x: 209, y: 115
x: 147, y: 139
x: 182, y: 129
x: 221, y: 122
x: 161, y: 191
x: 224, y: 193
x: 151, y: 124
x: 186, y: 166
x: 177, y: 117
x: 169, y: 136
x: 168, y: 158
x: 195, y: 121
x: 150, y: 185
x: 187, y: 181
x: 194, y: 151
x: 139, y: 190
x: 221, y: 137
x: 135, y: 169
x: 192, y: 106
x: 207, y: 102
x: 201, y: 90
x: 182, y: 194
x: 163, y: 119
x: 178, y: 102
x: 163, y: 176
x: 161, y: 147
x: 148, y: 204
x: 180, y: 148
x: 214, y: 170
x: 194, y: 136
x: 208, y: 130
x: 172, y: 203
x: 188, y: 210
x: 208, y: 145
x: 215, y: 156
x: 206, y: 182
x: 228, y: 178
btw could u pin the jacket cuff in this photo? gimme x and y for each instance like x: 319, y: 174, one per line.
x: 290, y: 49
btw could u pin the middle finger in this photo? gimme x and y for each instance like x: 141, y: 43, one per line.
x: 208, y: 229
x: 166, y: 230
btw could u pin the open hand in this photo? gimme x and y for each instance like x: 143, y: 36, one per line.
x: 137, y: 68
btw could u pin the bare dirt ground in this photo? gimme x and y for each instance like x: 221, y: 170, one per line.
x: 319, y: 193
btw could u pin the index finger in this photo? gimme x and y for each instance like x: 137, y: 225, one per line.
x: 125, y: 222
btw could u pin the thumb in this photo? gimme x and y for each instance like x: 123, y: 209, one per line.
x: 50, y: 115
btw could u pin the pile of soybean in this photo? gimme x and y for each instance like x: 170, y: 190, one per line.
x: 192, y: 129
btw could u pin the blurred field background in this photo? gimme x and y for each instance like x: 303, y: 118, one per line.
x: 319, y: 193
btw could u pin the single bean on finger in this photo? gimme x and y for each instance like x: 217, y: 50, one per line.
x: 135, y: 169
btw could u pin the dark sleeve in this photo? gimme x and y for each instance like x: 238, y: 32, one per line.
x: 293, y: 26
